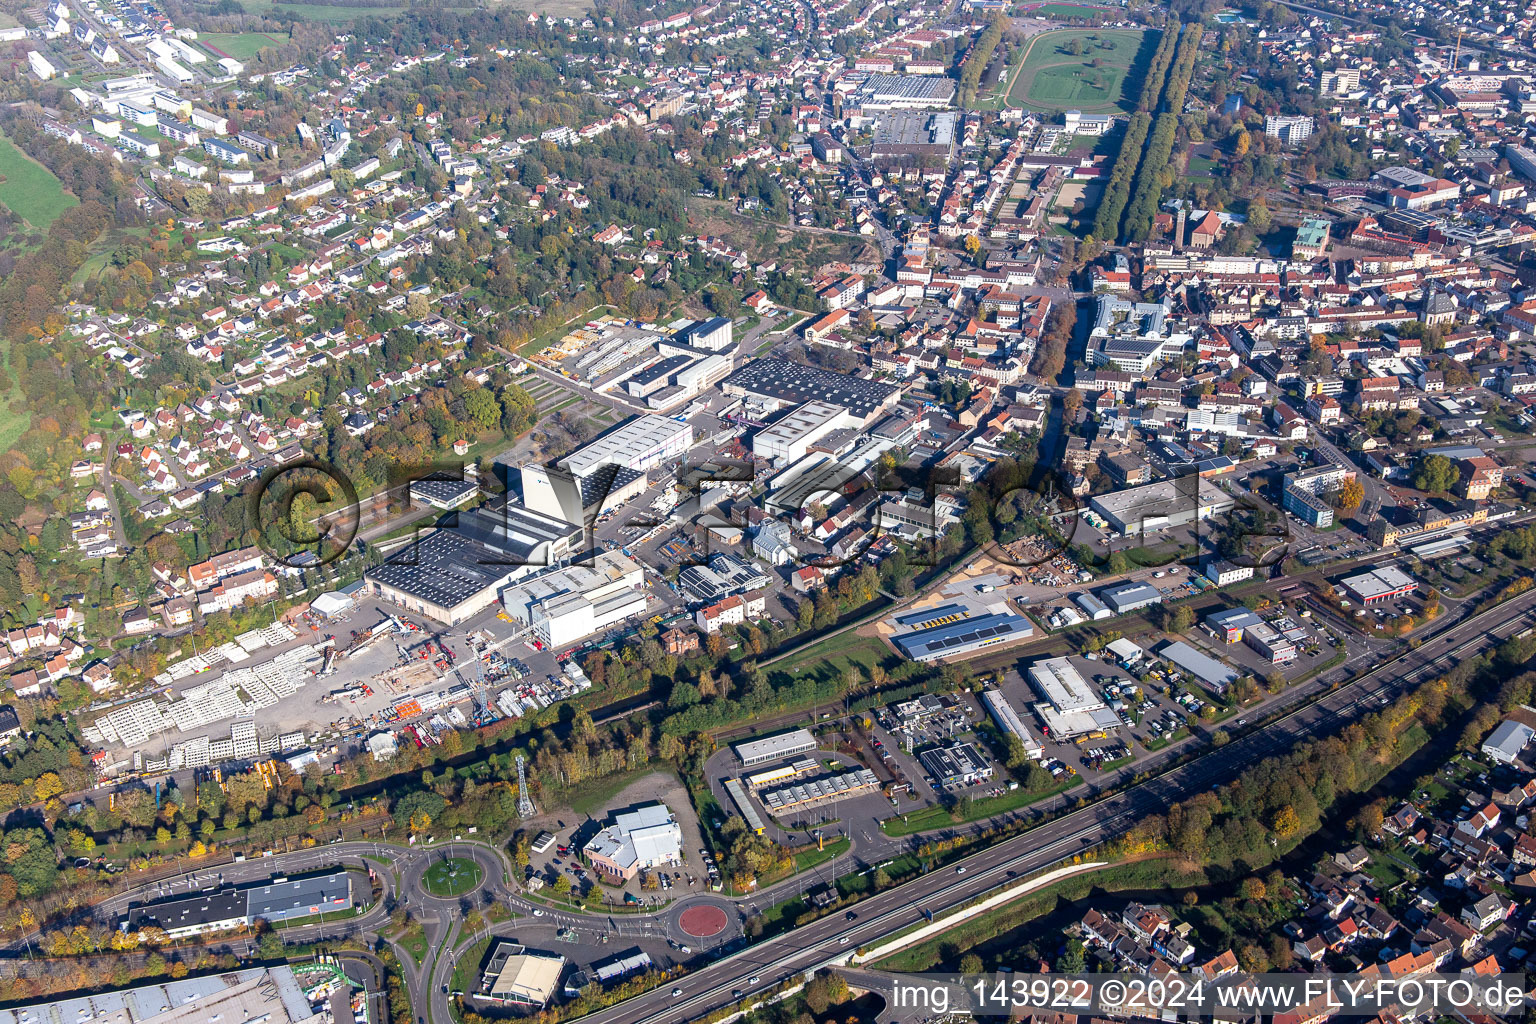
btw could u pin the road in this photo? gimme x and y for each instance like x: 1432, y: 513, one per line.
x: 1454, y: 638
x: 1378, y: 496
x: 832, y: 939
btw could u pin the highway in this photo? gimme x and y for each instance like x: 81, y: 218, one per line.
x: 833, y: 939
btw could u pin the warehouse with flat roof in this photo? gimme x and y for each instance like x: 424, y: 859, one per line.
x: 1127, y: 597
x: 1381, y: 584
x: 787, y: 383
x: 964, y: 636
x: 564, y: 605
x: 1069, y: 706
x: 442, y: 491
x: 907, y: 134
x: 1508, y: 741
x: 454, y: 572
x: 271, y: 995
x: 771, y: 748
x: 957, y: 766
x: 1008, y: 720
x: 905, y: 92
x: 1163, y: 505
x: 791, y: 436
x: 228, y: 907
x: 1202, y: 666
x: 636, y: 444
x: 1228, y: 624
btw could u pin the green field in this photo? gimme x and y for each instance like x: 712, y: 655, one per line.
x: 243, y: 46
x: 1051, y: 77
x: 831, y: 658
x: 1069, y: 11
x: 1200, y: 167
x: 329, y: 13
x: 30, y: 190
x: 452, y: 877
x: 466, y: 971
x: 13, y: 423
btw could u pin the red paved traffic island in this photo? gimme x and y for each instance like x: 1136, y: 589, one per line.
x: 702, y: 922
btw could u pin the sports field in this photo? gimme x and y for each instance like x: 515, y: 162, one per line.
x: 30, y: 190
x: 243, y: 46
x: 1060, y: 10
x: 1097, y: 71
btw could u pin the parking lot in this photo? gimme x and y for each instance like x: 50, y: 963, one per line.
x: 655, y: 887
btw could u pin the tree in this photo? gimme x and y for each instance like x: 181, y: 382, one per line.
x: 1252, y: 959
x: 1286, y: 822
x: 1178, y: 618
x: 1370, y: 818
x: 1435, y: 474
x: 1259, y: 220
x: 1349, y: 495
x: 1072, y: 959
x: 971, y: 964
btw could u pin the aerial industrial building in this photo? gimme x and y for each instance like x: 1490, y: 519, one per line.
x: 229, y: 907
x: 957, y: 766
x: 1163, y: 505
x: 1203, y: 667
x: 778, y: 382
x: 791, y: 436
x: 904, y: 92
x: 771, y: 748
x: 956, y: 629
x: 638, y: 840
x: 713, y: 334
x: 1508, y: 741
x: 1008, y: 720
x: 903, y: 136
x: 1381, y: 584
x: 271, y: 995
x: 637, y: 444
x: 452, y: 573
x: 1069, y: 706
x: 1228, y: 624
x: 567, y: 604
x: 1127, y: 597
